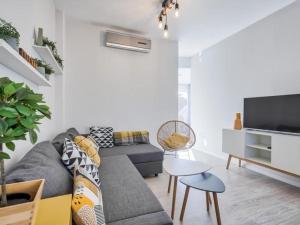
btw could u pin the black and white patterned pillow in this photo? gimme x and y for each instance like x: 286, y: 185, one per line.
x: 74, y: 157
x: 103, y: 136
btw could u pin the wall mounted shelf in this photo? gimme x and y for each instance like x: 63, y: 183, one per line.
x: 11, y: 59
x: 46, y: 54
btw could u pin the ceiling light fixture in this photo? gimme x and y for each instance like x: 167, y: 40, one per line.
x: 167, y: 5
x: 160, y: 22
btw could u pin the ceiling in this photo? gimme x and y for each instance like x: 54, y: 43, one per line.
x: 202, y: 23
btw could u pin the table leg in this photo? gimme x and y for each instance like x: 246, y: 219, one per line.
x: 240, y: 163
x: 174, y: 196
x: 170, y: 182
x: 208, y: 201
x: 186, y: 195
x: 217, y: 208
x: 228, y: 161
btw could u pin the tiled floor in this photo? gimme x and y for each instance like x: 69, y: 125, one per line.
x: 250, y: 198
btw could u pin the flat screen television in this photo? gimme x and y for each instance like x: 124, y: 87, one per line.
x: 273, y: 113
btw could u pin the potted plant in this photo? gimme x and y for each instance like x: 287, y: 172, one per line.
x: 21, y: 111
x: 59, y: 60
x: 52, y: 46
x: 44, y: 68
x: 10, y: 34
x: 48, y: 71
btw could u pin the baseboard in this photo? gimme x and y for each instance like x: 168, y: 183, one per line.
x: 267, y: 172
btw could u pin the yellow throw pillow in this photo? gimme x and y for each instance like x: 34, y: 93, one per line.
x: 89, y: 147
x: 176, y: 141
x: 87, y: 204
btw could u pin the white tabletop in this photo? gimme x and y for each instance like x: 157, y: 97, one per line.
x: 183, y: 167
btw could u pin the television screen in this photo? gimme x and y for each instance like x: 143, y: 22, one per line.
x: 277, y: 113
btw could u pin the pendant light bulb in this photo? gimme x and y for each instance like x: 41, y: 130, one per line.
x: 176, y: 10
x: 166, y: 34
x: 160, y: 22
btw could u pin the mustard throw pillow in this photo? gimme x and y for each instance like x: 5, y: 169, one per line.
x: 176, y: 141
x: 89, y: 147
x: 87, y: 204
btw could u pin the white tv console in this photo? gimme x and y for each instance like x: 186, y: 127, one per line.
x: 280, y: 152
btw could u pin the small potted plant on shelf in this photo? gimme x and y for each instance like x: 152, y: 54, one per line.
x: 44, y: 68
x: 48, y: 71
x: 59, y: 60
x: 10, y: 34
x: 21, y: 111
x: 52, y: 46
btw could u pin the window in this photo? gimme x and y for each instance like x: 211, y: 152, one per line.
x: 184, y: 95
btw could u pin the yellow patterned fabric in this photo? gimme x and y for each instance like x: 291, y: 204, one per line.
x: 87, y: 205
x: 89, y: 147
x: 176, y: 141
x: 131, y: 137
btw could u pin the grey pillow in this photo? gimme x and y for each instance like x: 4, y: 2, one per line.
x: 58, y: 142
x: 72, y: 132
x: 43, y: 162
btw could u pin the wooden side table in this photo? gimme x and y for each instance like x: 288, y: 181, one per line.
x: 55, y: 211
x: 181, y: 167
x: 205, y: 182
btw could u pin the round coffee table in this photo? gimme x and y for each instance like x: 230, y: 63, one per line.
x: 181, y: 167
x: 205, y: 182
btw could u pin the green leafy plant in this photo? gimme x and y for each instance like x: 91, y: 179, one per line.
x: 52, y: 46
x: 21, y: 111
x: 8, y: 31
x: 59, y: 60
x: 48, y: 68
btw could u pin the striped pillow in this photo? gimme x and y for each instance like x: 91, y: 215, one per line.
x: 131, y: 137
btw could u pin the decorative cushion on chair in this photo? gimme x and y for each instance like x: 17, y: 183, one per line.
x: 176, y: 141
x: 89, y: 147
x: 87, y: 204
x: 73, y: 157
x: 103, y: 136
x: 131, y: 137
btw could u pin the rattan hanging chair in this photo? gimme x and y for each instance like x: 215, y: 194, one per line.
x: 176, y: 136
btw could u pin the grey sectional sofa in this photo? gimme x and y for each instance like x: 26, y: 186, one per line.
x: 126, y: 197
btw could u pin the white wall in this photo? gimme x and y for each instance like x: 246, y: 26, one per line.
x: 111, y: 87
x: 26, y: 16
x: 261, y: 60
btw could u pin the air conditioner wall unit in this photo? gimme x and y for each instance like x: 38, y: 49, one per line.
x: 128, y: 42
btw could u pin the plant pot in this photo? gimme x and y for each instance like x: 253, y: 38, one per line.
x: 13, y: 43
x: 47, y: 76
x: 24, y: 213
x: 41, y: 70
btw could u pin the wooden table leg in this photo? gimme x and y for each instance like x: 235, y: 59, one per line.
x: 240, y: 163
x: 174, y: 196
x: 170, y: 182
x: 217, y: 208
x: 208, y: 201
x: 186, y: 195
x: 228, y: 161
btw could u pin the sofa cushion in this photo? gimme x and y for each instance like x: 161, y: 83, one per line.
x: 74, y: 157
x: 87, y: 205
x: 139, y: 153
x: 72, y: 132
x: 59, y: 140
x: 89, y: 147
x: 124, y: 191
x: 43, y: 162
x: 103, y: 136
x: 158, y: 218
